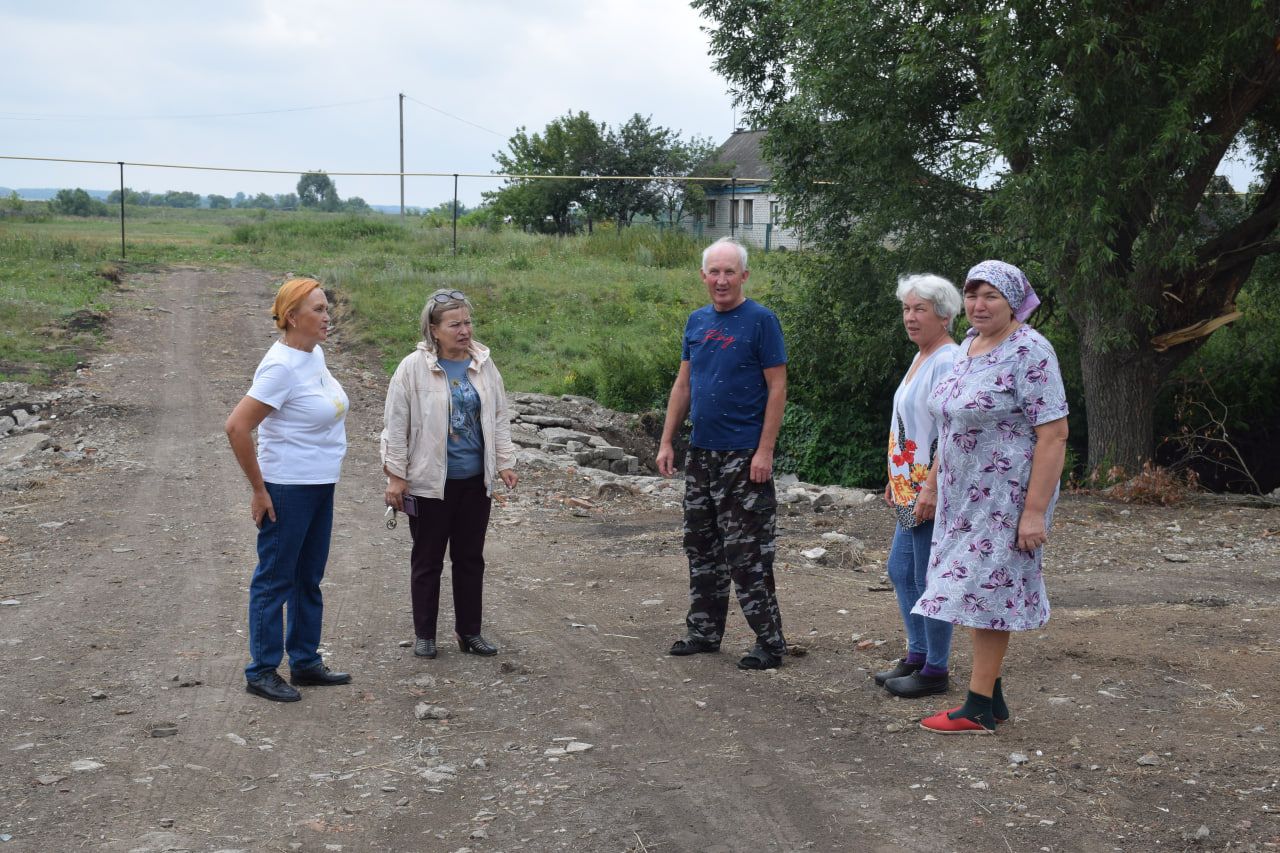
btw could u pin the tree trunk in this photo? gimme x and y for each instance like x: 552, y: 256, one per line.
x: 1120, y: 389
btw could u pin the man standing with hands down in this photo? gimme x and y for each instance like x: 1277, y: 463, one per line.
x: 732, y: 385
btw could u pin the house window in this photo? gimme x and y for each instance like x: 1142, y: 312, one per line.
x: 775, y: 212
x: 711, y: 212
x: 733, y: 213
x: 747, y: 216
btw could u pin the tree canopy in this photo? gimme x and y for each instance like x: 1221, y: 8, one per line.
x: 575, y: 145
x: 1079, y: 140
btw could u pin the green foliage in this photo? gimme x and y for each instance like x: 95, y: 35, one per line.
x: 1079, y: 140
x: 317, y: 190
x: 77, y: 202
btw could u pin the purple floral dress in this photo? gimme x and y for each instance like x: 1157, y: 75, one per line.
x: 989, y: 406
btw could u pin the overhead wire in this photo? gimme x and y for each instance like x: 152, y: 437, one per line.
x: 20, y: 116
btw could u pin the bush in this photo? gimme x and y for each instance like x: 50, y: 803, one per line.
x: 77, y: 202
x: 629, y: 378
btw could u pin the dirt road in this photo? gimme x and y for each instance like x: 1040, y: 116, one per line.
x: 1145, y: 716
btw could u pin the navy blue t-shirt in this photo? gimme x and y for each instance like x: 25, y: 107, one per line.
x: 727, y: 354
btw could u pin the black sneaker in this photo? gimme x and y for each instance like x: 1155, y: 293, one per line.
x: 271, y: 686
x: 915, y: 685
x: 900, y: 669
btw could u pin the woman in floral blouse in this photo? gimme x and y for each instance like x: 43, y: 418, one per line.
x: 1003, y: 440
x: 929, y: 307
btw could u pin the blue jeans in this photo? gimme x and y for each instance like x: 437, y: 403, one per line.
x: 292, y: 552
x: 908, y: 568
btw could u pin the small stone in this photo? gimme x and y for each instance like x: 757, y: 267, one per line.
x: 1202, y: 833
x: 577, y: 746
x: 425, y: 711
x: 404, y: 644
x: 1177, y: 558
x: 162, y: 729
x: 893, y: 727
x: 814, y: 554
x: 403, y: 801
x: 50, y: 779
x: 10, y: 602
x: 1016, y: 758
x: 479, y: 764
x: 97, y: 694
x: 480, y: 832
x: 863, y: 645
x: 236, y: 739
x: 165, y: 822
x: 1150, y: 760
x: 86, y: 765
x: 979, y: 786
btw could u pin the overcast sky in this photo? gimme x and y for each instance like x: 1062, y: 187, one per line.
x: 155, y: 81
x: 178, y: 82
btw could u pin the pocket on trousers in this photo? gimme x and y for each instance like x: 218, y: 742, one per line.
x: 760, y: 497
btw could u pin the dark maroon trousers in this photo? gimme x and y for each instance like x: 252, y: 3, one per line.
x: 458, y: 522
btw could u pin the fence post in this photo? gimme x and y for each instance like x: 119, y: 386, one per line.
x: 733, y: 199
x: 455, y: 213
x: 121, y: 164
x: 768, y: 236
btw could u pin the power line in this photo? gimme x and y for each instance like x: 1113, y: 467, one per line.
x: 690, y: 178
x: 452, y: 116
x: 19, y: 116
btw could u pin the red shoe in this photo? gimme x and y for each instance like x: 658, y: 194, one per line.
x: 941, y: 723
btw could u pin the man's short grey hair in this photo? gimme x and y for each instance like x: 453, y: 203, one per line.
x: 742, y: 251
x: 433, y: 309
x: 935, y: 289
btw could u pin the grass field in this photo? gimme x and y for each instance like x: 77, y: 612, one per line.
x: 596, y: 315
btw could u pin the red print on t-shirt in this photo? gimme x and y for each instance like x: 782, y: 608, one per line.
x: 717, y: 335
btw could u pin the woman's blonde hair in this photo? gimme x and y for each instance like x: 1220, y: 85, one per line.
x: 289, y: 297
x: 444, y: 299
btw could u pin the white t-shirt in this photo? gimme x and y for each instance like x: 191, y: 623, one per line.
x: 303, y: 441
x: 913, y: 434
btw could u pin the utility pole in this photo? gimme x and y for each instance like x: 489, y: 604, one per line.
x: 402, y: 158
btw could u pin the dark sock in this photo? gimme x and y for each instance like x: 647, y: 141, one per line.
x: 914, y: 659
x: 999, y: 709
x: 976, y: 707
x: 931, y: 671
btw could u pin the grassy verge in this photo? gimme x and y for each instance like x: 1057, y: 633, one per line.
x: 595, y: 315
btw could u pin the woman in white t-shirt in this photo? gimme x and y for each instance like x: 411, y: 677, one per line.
x: 930, y: 304
x: 299, y: 411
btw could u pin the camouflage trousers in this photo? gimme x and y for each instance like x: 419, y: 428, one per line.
x: 730, y: 534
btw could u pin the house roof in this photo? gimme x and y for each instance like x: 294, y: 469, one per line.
x: 742, y: 149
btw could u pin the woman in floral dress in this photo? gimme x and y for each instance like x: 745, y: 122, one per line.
x: 1003, y: 439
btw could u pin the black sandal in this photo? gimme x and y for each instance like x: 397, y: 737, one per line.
x: 692, y: 646
x: 760, y: 658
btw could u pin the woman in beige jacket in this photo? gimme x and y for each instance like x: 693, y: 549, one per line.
x: 446, y: 440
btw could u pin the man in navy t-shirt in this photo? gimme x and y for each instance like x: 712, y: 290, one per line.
x: 732, y: 385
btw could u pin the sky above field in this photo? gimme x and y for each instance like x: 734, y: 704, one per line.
x: 292, y: 85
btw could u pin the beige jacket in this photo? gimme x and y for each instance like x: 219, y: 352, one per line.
x: 416, y: 421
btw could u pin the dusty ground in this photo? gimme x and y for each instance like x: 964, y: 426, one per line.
x: 1145, y: 716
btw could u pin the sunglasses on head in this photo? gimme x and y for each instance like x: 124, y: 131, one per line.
x: 451, y: 296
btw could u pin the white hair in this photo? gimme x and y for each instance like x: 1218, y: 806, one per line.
x: 935, y: 289
x: 742, y: 251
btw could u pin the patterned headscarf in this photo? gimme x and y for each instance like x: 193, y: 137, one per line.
x: 1012, y: 284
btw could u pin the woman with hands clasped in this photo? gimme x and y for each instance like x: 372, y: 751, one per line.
x: 930, y: 304
x: 446, y: 441
x: 1003, y: 414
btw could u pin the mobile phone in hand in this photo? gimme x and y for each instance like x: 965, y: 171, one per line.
x: 410, y: 506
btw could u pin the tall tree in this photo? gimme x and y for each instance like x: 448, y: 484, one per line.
x: 315, y: 190
x: 569, y: 145
x: 1077, y: 139
x: 637, y: 149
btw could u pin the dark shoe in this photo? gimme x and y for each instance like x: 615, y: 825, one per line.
x: 693, y: 646
x: 900, y: 669
x: 760, y: 658
x: 915, y: 685
x: 318, y: 676
x: 476, y: 645
x: 271, y: 686
x: 424, y: 647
